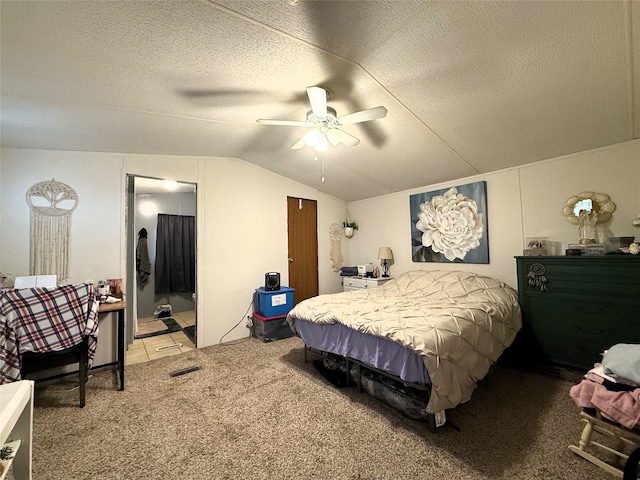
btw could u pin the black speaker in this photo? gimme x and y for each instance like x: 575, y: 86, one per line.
x: 271, y: 281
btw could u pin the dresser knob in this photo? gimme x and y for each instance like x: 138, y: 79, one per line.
x: 589, y: 309
x: 594, y: 331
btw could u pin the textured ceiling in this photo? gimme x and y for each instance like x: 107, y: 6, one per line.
x: 470, y: 87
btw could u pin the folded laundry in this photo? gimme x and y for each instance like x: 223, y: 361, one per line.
x: 621, y: 407
x: 611, y: 382
x: 348, y: 271
x: 623, y: 361
x: 611, y: 411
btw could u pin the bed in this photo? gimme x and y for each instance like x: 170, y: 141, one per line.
x: 429, y: 336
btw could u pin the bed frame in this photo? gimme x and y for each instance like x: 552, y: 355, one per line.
x: 424, y: 336
x: 382, y: 385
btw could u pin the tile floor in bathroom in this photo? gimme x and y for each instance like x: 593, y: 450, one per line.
x: 144, y: 349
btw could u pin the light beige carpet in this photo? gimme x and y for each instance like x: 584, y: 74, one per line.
x: 256, y: 411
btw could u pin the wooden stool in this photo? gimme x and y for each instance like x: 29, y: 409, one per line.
x: 623, y: 436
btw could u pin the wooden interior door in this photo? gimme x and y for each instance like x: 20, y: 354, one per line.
x: 302, y: 218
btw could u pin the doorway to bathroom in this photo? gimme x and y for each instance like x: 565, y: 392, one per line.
x: 161, y: 268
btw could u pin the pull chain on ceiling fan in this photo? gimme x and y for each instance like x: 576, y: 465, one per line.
x: 325, y: 123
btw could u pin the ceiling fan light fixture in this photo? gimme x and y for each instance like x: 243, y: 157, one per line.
x: 324, y: 123
x: 316, y: 139
x: 312, y: 137
x: 322, y: 145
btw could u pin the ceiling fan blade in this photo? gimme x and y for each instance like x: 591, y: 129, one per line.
x: 333, y: 136
x: 299, y: 144
x: 318, y: 101
x: 336, y: 136
x: 363, y: 115
x: 285, y: 123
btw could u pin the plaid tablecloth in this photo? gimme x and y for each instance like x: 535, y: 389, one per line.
x: 45, y: 320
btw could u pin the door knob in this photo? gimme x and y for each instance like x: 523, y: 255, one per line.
x: 290, y: 260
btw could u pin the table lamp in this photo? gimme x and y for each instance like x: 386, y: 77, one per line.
x: 385, y: 254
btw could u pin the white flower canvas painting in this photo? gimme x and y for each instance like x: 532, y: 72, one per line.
x: 450, y: 225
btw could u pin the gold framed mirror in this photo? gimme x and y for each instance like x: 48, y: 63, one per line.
x: 597, y: 203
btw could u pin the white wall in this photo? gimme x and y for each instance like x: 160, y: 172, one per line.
x: 546, y: 186
x: 242, y: 223
x: 246, y: 236
x: 96, y: 223
x: 332, y: 211
x: 522, y: 202
x: 242, y: 218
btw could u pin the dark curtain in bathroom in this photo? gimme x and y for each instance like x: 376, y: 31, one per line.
x: 175, y: 253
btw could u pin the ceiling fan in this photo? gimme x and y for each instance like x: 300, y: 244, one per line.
x: 325, y: 123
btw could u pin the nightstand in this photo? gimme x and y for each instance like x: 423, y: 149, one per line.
x: 357, y: 283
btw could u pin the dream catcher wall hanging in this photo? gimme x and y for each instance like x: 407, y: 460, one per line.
x: 51, y: 206
x: 335, y: 234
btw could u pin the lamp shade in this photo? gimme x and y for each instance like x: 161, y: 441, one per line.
x: 385, y: 253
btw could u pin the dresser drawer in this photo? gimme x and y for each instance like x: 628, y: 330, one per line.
x: 352, y: 283
x: 588, y: 277
x: 356, y: 283
x: 575, y: 330
x: 578, y: 306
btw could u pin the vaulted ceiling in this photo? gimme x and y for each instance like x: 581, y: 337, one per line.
x: 470, y: 86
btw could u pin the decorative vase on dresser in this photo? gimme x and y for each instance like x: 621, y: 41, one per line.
x: 575, y: 307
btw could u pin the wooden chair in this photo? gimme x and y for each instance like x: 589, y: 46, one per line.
x: 631, y: 466
x: 620, y: 437
x: 33, y: 362
x: 41, y: 324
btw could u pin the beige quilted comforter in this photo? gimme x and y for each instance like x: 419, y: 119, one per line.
x: 460, y: 323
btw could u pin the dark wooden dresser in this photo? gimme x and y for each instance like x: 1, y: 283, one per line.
x: 575, y: 307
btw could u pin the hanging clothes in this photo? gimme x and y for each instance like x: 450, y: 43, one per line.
x: 143, y: 265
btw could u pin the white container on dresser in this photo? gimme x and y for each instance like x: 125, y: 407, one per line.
x: 357, y: 283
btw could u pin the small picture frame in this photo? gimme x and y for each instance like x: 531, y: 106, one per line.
x: 115, y: 287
